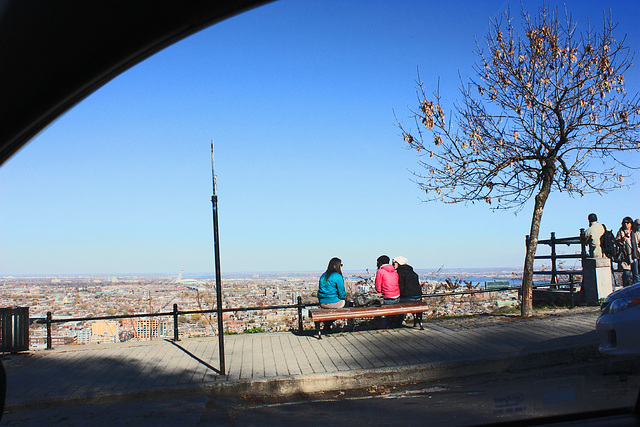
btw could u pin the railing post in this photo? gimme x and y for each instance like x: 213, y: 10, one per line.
x: 571, y: 288
x: 176, y: 336
x: 49, y: 346
x: 554, y: 269
x: 300, y: 328
x: 583, y: 244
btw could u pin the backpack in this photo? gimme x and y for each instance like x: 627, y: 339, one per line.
x: 610, y: 247
x: 368, y: 300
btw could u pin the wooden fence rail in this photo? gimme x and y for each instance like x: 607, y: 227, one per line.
x: 554, y: 256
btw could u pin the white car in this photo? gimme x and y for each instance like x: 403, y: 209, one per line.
x: 619, y: 322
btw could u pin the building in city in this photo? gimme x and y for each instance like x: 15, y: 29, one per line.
x: 105, y: 331
x: 83, y: 336
x: 145, y: 328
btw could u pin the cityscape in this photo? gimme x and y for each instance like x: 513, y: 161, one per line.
x: 81, y: 297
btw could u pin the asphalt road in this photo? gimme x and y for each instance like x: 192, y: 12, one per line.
x: 601, y: 384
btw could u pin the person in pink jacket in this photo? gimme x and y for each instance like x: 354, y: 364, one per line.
x: 387, y: 281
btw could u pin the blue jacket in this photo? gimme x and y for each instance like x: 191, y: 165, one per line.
x: 332, y: 289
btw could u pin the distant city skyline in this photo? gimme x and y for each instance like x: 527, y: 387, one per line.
x: 301, y: 100
x: 440, y: 272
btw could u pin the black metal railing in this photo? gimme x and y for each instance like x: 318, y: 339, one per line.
x: 174, y: 313
x: 570, y: 284
x: 299, y: 306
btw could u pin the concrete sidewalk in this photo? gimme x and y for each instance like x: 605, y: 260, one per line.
x: 287, y: 363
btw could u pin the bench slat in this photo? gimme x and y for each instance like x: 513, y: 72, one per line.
x: 325, y: 314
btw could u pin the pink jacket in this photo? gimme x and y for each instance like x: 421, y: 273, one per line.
x: 387, y: 282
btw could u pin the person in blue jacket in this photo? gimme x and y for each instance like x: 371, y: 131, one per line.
x: 331, y: 293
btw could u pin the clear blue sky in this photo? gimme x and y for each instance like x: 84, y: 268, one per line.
x: 299, y: 97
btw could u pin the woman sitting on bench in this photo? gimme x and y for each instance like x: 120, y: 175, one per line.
x: 409, y: 284
x: 331, y: 293
x: 386, y: 281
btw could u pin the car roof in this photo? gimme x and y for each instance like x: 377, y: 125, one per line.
x: 55, y: 53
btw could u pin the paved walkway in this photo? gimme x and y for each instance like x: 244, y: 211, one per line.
x: 279, y: 363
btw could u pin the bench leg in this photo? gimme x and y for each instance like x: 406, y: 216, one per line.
x: 318, y: 331
x: 417, y: 319
x: 327, y: 326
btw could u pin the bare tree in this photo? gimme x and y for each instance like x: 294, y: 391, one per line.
x: 546, y: 112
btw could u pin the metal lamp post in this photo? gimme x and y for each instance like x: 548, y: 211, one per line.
x: 216, y: 254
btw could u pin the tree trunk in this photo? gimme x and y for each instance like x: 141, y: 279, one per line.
x: 527, y: 276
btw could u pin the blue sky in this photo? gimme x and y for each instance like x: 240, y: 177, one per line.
x: 300, y: 99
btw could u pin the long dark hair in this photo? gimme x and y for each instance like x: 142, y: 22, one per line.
x: 335, y: 266
x: 629, y: 220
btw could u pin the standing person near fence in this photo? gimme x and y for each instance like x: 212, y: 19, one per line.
x: 626, y: 238
x: 593, y: 235
x: 331, y: 293
x: 635, y: 250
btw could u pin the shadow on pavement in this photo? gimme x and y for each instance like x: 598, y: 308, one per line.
x: 193, y: 356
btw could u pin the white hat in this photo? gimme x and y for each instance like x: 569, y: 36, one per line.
x: 400, y: 260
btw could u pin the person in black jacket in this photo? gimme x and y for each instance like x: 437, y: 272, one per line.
x: 409, y: 283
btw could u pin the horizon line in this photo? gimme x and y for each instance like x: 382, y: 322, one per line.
x: 211, y: 274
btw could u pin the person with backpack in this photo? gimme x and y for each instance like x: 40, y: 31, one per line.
x: 635, y: 250
x: 626, y: 238
x: 594, y: 235
x: 609, y: 245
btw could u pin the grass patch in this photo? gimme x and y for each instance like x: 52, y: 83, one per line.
x: 463, y: 316
x: 507, y: 310
x: 543, y: 307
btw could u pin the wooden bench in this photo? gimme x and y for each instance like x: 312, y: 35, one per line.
x: 327, y: 314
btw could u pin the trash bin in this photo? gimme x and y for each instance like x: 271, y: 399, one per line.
x: 14, y: 326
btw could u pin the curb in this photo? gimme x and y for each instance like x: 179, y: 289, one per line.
x: 516, y: 362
